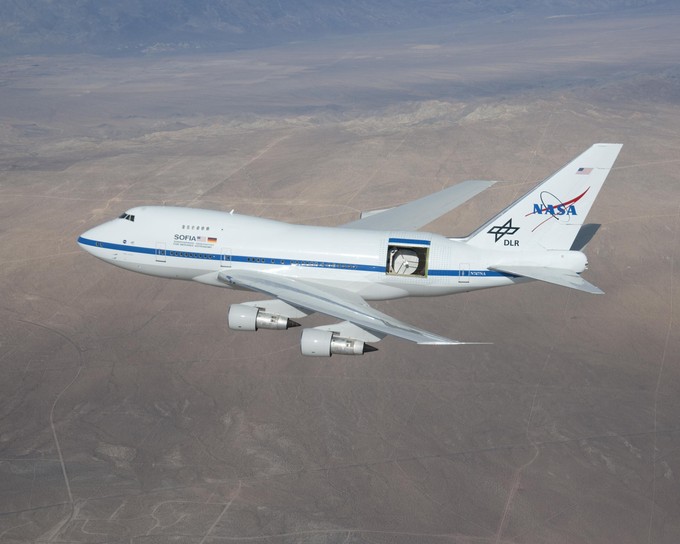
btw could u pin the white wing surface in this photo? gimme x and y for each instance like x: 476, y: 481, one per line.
x: 413, y: 215
x: 564, y: 278
x: 337, y: 303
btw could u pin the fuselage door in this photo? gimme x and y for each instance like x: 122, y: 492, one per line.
x: 225, y: 257
x: 160, y: 252
x: 464, y: 273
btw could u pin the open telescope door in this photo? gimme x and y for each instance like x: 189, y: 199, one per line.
x: 407, y: 258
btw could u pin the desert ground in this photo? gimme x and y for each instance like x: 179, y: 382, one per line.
x: 130, y: 413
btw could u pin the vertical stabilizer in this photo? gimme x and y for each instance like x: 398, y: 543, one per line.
x: 550, y: 215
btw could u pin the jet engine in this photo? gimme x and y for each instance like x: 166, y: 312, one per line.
x: 321, y: 343
x: 250, y: 318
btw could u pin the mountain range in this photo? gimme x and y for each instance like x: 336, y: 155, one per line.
x: 147, y: 26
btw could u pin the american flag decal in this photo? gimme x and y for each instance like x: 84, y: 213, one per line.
x: 584, y: 171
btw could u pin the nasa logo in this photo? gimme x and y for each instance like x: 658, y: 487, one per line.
x: 560, y: 209
x: 553, y: 206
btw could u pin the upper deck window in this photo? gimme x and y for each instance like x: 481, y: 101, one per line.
x: 194, y: 227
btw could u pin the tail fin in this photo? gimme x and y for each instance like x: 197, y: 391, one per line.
x: 550, y: 215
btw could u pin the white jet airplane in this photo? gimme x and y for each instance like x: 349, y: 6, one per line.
x: 303, y: 269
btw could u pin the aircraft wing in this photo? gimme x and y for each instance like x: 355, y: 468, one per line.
x: 338, y: 303
x: 415, y: 214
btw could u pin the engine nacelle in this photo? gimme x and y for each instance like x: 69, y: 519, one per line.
x: 243, y: 317
x: 320, y: 343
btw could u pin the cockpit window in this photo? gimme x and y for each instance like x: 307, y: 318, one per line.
x: 126, y: 216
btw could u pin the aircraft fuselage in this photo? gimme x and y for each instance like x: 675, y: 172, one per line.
x: 195, y: 244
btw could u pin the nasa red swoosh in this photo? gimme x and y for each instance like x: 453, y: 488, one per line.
x: 568, y: 203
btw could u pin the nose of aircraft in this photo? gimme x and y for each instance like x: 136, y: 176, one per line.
x: 87, y: 240
x: 92, y: 239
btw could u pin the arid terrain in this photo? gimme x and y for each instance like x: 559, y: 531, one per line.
x: 130, y: 413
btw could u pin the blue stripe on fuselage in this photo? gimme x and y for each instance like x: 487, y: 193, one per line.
x: 412, y: 241
x: 286, y: 262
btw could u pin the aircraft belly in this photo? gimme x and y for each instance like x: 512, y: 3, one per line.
x: 381, y: 291
x: 165, y: 270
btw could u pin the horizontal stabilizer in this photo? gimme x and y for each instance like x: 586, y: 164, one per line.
x: 413, y: 215
x: 556, y: 276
